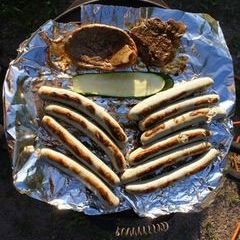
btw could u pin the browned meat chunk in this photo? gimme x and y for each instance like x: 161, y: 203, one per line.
x: 157, y: 41
x: 101, y: 46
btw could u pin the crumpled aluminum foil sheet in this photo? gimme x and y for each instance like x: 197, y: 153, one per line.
x: 208, y: 55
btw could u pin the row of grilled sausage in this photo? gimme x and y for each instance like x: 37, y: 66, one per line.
x: 159, y: 116
x: 168, y: 122
x: 96, y: 175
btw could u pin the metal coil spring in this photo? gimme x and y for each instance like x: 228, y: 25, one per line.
x: 141, y: 230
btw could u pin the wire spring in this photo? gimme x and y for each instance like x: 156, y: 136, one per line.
x: 141, y: 230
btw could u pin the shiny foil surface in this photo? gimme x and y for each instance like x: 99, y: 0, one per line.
x: 208, y: 55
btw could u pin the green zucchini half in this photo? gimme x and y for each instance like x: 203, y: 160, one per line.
x: 123, y: 84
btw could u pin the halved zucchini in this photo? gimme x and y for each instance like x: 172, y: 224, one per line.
x: 124, y: 84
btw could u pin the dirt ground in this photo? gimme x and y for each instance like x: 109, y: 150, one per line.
x: 22, y: 218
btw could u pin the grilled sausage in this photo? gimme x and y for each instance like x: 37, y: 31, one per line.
x: 177, y: 109
x: 167, y: 159
x: 144, y: 153
x: 164, y: 98
x: 90, y: 180
x: 82, y: 153
x: 86, y: 106
x: 168, y: 179
x: 194, y: 117
x: 92, y: 131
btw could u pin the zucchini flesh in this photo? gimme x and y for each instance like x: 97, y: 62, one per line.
x: 124, y: 84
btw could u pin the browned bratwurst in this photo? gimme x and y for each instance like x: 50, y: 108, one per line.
x: 168, y: 179
x: 90, y: 180
x: 165, y: 160
x: 191, y: 118
x: 83, y: 104
x: 92, y: 131
x: 82, y: 153
x: 144, y: 153
x: 177, y: 109
x: 163, y: 99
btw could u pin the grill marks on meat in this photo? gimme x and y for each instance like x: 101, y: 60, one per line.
x: 91, y: 130
x: 170, y: 178
x: 82, y: 153
x: 91, y: 181
x: 85, y: 105
x: 176, y: 140
x: 157, y: 41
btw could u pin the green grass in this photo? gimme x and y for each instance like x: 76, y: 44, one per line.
x: 210, y: 234
x: 233, y: 199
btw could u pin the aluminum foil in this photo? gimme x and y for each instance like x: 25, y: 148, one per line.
x: 208, y: 55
